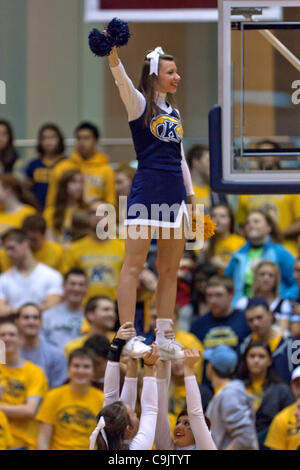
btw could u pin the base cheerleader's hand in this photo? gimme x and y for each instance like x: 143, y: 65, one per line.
x: 126, y: 331
x: 152, y: 356
x: 191, y: 357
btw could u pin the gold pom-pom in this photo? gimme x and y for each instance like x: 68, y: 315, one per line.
x: 209, y: 227
x: 208, y: 230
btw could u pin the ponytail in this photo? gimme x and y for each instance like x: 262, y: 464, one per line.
x: 116, y: 420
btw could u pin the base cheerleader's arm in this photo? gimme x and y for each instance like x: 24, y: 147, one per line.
x: 163, y: 436
x: 145, y: 436
x: 196, y: 416
x: 112, y: 372
x: 133, y: 99
x: 129, y: 391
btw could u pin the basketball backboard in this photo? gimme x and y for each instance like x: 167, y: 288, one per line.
x: 254, y: 131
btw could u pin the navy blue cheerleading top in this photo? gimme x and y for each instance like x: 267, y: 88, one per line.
x: 158, y: 145
x: 158, y: 195
x: 159, y: 179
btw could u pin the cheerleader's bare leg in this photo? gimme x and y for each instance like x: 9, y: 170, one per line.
x: 136, y: 251
x: 169, y: 254
x: 135, y: 256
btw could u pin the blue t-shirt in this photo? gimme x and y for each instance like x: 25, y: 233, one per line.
x: 61, y: 325
x: 40, y: 174
x: 286, y: 356
x: 50, y: 359
x: 213, y: 331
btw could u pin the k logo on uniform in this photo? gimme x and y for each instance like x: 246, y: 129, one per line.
x: 167, y: 128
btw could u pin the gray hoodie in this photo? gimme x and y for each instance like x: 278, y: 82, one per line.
x: 232, y: 417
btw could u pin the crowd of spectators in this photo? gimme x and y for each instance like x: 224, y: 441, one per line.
x: 238, y: 301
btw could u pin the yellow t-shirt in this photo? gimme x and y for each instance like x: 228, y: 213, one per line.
x: 283, y: 433
x: 256, y: 389
x: 178, y: 399
x: 15, y: 219
x: 273, y: 342
x: 19, y: 384
x: 227, y: 246
x: 284, y: 208
x: 189, y: 341
x: 202, y: 195
x: 51, y: 254
x: 79, y: 342
x: 73, y: 416
x: 102, y: 261
x: 99, y: 177
x: 63, y: 235
x: 6, y: 440
x: 218, y: 389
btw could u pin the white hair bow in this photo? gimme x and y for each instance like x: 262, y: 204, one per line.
x: 93, y: 437
x: 154, y: 59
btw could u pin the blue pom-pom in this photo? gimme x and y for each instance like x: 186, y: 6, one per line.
x: 118, y: 31
x: 100, y: 43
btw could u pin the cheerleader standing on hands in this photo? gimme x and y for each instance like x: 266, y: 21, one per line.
x: 162, y: 177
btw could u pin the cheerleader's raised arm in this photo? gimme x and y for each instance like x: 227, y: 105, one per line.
x: 191, y: 431
x: 202, y: 435
x: 163, y: 436
x: 144, y: 438
x: 133, y: 99
x: 112, y: 372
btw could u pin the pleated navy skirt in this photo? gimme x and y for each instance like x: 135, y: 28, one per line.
x: 157, y: 198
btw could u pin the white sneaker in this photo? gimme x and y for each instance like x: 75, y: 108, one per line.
x: 136, y: 348
x: 171, y: 349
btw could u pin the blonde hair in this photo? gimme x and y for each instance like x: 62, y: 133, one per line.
x: 255, y: 285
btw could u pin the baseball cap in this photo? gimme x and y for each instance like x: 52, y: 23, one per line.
x: 257, y: 302
x: 295, y: 374
x: 223, y: 358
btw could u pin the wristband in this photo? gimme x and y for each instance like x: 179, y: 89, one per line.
x: 115, y: 349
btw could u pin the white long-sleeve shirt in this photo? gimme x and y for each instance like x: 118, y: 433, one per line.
x: 198, y: 424
x: 135, y: 104
x: 202, y: 435
x: 144, y: 438
x: 112, y: 386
